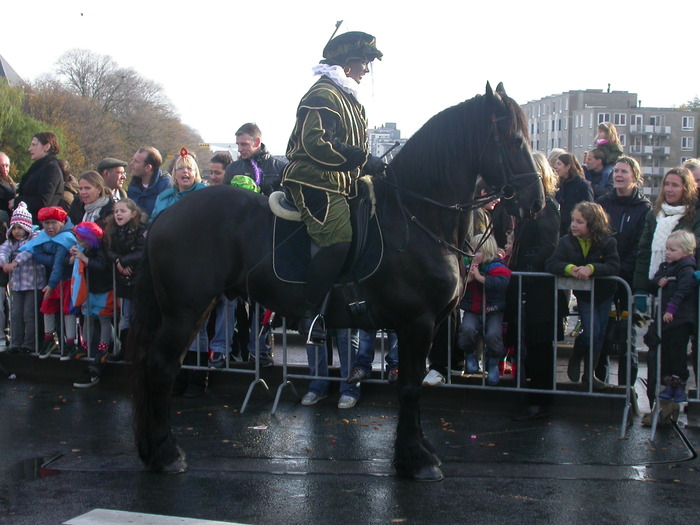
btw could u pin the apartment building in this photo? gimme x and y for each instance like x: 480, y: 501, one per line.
x: 383, y: 138
x: 659, y: 138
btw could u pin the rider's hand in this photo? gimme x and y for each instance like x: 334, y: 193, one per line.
x: 374, y: 166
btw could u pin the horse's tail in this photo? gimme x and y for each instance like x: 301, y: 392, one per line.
x: 144, y: 323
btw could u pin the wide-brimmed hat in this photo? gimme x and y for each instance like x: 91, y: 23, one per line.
x: 351, y: 45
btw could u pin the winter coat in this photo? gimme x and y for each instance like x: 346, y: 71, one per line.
x: 612, y: 152
x: 572, y: 191
x: 41, y: 186
x: 679, y: 296
x: 496, y: 278
x: 29, y: 275
x: 146, y: 197
x: 70, y: 192
x: 627, y: 215
x: 641, y: 268
x: 126, y: 245
x: 99, y: 271
x: 77, y: 211
x: 603, y: 258
x: 601, y: 181
x: 535, y: 240
x: 170, y: 196
x: 52, y: 252
x: 270, y: 167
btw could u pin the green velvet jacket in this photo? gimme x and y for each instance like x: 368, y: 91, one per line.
x: 329, y: 144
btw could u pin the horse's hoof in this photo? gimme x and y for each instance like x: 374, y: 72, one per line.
x: 176, y: 466
x: 430, y: 473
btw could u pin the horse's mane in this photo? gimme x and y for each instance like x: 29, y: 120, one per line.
x: 444, y: 145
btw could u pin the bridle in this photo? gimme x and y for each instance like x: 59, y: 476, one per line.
x: 505, y: 192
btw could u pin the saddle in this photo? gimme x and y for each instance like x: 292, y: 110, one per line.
x: 293, y: 249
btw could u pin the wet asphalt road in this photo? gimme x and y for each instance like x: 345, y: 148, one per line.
x: 324, y: 465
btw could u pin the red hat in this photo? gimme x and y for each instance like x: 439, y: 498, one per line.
x: 52, y: 213
x: 89, y: 232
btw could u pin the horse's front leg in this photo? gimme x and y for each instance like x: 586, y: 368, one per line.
x: 414, y: 457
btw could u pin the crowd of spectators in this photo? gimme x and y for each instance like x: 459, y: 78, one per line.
x: 596, y: 222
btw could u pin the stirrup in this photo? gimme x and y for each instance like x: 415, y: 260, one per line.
x: 317, y: 331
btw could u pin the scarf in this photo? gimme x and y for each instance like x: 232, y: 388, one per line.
x: 666, y: 221
x: 92, y: 210
x: 338, y: 76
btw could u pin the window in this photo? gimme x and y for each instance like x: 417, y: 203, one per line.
x: 590, y: 122
x: 655, y: 120
x: 686, y: 143
x: 623, y: 139
x: 554, y: 107
x: 553, y: 126
x: 637, y: 120
x: 688, y: 123
x: 558, y: 124
x: 603, y: 117
x: 620, y: 119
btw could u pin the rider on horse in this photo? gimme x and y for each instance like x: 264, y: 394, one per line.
x: 328, y: 151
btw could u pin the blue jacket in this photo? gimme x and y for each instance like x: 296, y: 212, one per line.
x: 146, y: 197
x: 52, y: 252
x: 170, y: 196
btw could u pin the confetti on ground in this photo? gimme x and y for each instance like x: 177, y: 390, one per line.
x: 259, y: 427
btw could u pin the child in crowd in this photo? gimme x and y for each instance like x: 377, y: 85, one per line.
x: 483, y: 303
x: 26, y: 278
x: 124, y: 242
x: 50, y: 248
x: 609, y: 141
x: 590, y: 251
x: 92, y: 290
x: 679, y: 306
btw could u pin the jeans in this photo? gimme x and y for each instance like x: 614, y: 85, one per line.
x: 264, y: 339
x: 318, y: 363
x: 224, y: 326
x: 365, y: 353
x: 472, y: 327
x: 601, y: 314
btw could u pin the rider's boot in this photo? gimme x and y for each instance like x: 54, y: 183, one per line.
x: 323, y: 271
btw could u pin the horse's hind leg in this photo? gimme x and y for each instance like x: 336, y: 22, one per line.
x: 161, y: 363
x: 414, y: 456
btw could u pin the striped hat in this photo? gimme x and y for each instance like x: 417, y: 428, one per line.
x: 22, y: 218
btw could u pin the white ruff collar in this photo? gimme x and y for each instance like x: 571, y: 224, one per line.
x: 338, y: 76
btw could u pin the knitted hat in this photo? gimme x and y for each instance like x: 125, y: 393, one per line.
x: 89, y: 232
x: 22, y: 218
x: 52, y: 213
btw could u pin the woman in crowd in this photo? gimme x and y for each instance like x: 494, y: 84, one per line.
x: 675, y: 209
x: 573, y: 188
x: 42, y: 185
x: 95, y: 202
x: 627, y: 209
x: 534, y: 242
x: 186, y: 179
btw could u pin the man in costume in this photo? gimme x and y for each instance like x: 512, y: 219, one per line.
x: 255, y: 161
x: 328, y: 151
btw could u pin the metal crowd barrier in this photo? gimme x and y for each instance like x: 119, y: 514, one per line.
x: 560, y: 283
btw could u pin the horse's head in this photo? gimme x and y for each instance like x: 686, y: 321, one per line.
x: 505, y: 162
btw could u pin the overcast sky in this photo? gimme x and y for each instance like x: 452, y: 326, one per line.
x: 223, y: 63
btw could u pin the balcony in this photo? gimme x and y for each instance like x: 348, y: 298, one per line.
x: 663, y: 151
x: 650, y: 130
x: 653, y: 172
x: 641, y: 150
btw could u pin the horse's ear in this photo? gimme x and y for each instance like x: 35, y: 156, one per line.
x: 489, y: 91
x: 500, y: 89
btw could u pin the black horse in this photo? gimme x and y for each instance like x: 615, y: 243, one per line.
x: 218, y: 240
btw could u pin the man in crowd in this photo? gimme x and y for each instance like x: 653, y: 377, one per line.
x: 255, y: 161
x: 597, y: 173
x: 217, y: 168
x: 114, y: 175
x: 148, y: 180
